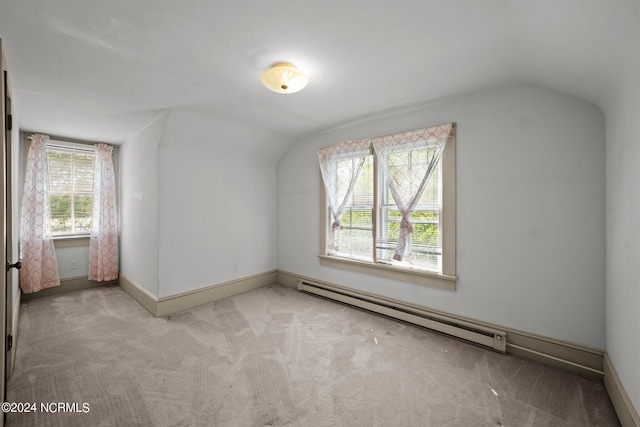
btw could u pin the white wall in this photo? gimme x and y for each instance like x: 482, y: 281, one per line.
x: 623, y: 239
x: 530, y: 212
x: 217, y: 209
x: 68, y: 256
x: 139, y: 206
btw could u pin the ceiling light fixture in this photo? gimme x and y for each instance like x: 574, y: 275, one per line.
x: 284, y: 78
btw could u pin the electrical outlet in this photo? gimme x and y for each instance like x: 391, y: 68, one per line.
x: 236, y: 268
x: 74, y: 265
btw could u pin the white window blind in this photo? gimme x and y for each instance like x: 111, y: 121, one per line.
x: 408, y: 167
x: 356, y: 235
x: 70, y: 192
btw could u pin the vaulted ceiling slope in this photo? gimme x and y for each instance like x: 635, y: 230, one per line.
x: 102, y: 70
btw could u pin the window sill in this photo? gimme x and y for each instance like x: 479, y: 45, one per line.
x: 419, y: 277
x: 70, y: 241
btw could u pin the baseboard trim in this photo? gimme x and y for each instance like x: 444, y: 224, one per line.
x: 167, y: 306
x: 574, y: 358
x: 67, y: 285
x: 625, y: 410
x: 290, y: 279
x: 187, y: 300
x: 139, y: 294
x: 548, y: 359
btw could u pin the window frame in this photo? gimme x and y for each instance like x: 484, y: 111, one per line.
x: 444, y: 280
x: 62, y: 146
x: 67, y: 240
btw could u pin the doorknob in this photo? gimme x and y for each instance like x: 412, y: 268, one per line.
x: 17, y: 265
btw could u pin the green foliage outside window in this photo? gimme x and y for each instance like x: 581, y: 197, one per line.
x: 425, y: 227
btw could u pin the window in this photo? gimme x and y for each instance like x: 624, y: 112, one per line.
x: 70, y: 189
x: 354, y: 238
x: 390, y: 205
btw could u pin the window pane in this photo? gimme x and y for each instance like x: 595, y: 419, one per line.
x: 60, y: 171
x: 70, y: 189
x: 432, y: 194
x: 363, y: 191
x: 83, y: 172
x: 61, y: 220
x: 356, y: 236
x: 408, y: 168
x: 83, y: 209
x: 386, y: 244
x: 426, y: 248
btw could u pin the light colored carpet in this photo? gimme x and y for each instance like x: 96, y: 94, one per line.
x: 275, y: 357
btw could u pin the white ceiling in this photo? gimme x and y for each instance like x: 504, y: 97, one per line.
x: 102, y: 70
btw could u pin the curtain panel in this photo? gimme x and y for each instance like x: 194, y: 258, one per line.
x: 37, y: 252
x: 103, y: 243
x: 340, y: 166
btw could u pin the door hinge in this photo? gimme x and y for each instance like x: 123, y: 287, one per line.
x: 9, y: 342
x: 9, y: 121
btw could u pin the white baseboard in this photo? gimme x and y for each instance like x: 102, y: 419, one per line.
x: 140, y: 294
x: 166, y: 306
x: 186, y: 300
x: 627, y: 414
x: 67, y: 285
x: 578, y: 359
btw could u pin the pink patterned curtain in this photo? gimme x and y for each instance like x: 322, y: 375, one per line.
x: 408, y: 160
x: 103, y: 245
x: 37, y: 252
x: 340, y: 166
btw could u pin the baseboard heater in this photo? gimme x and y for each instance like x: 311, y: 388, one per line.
x: 457, y: 328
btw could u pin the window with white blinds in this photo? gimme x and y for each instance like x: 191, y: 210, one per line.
x: 357, y: 219
x: 70, y: 192
x: 400, y: 212
x: 426, y: 236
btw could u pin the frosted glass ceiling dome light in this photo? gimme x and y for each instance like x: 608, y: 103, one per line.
x: 284, y: 78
